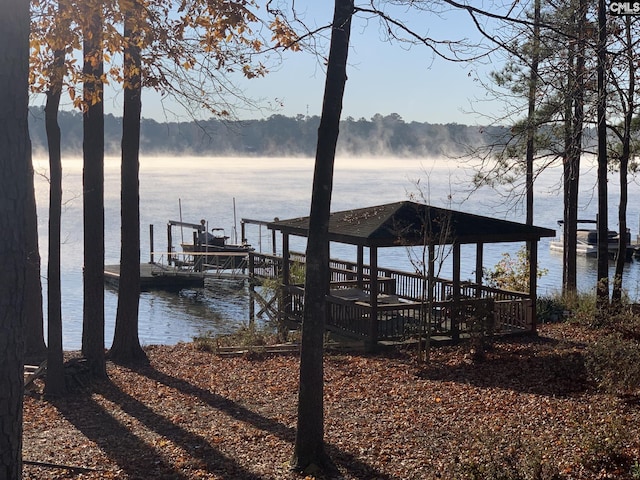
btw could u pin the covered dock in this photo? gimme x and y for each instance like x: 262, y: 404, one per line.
x: 374, y: 304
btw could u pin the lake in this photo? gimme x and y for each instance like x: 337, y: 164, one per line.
x: 265, y: 188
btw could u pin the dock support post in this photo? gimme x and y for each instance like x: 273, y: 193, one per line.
x: 252, y: 281
x: 284, y: 309
x: 456, y: 310
x: 198, y: 260
x: 373, y: 299
x: 533, y: 283
x: 273, y: 242
x: 169, y: 246
x: 360, y: 272
x: 151, y: 260
x: 479, y: 268
x: 252, y: 305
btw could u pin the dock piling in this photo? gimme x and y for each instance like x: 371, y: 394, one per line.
x: 151, y: 249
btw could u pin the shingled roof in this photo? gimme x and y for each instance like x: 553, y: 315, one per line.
x: 410, y: 223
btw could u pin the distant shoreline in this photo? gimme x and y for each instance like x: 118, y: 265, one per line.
x: 276, y: 136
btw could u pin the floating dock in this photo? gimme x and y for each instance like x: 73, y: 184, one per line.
x: 157, y: 276
x: 154, y: 276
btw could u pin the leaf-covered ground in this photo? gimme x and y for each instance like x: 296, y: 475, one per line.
x: 526, y: 410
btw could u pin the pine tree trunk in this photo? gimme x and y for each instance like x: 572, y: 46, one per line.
x: 14, y: 164
x: 35, y: 348
x: 55, y: 358
x: 126, y: 344
x: 531, y: 114
x: 572, y: 161
x: 93, y: 194
x: 616, y: 296
x: 602, y: 289
x: 309, y: 444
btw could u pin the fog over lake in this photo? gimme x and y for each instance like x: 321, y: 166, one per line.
x: 269, y: 187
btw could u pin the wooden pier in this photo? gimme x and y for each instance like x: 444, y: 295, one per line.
x: 154, y: 276
x: 157, y: 276
x: 174, y: 271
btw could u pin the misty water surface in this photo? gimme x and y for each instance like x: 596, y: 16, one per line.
x: 264, y: 188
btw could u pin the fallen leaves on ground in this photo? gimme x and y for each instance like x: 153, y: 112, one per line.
x: 194, y: 415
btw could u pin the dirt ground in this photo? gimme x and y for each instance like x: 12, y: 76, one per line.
x: 526, y: 411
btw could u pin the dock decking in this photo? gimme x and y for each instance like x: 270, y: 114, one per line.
x: 154, y: 276
x: 157, y: 276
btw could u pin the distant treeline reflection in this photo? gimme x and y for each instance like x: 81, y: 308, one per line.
x: 275, y: 136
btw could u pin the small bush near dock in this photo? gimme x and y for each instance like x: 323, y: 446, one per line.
x: 551, y: 308
x: 247, y: 335
x: 613, y: 361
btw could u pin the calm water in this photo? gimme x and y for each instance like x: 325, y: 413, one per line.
x: 264, y: 188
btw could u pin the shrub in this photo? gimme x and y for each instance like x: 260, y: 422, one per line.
x: 613, y: 363
x: 603, y: 450
x: 206, y: 343
x: 519, y: 461
x: 585, y: 311
x: 245, y: 336
x: 551, y: 308
x: 627, y: 324
x: 511, y: 273
x: 583, y: 308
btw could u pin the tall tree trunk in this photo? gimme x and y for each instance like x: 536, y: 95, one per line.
x: 569, y: 282
x: 35, y: 348
x: 572, y: 161
x: 531, y: 121
x: 93, y: 192
x: 616, y: 296
x: 602, y: 290
x: 126, y: 344
x: 309, y: 444
x: 14, y: 192
x: 55, y: 358
x: 532, y: 126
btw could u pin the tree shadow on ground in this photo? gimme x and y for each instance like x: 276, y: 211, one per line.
x: 223, y: 404
x: 535, y: 365
x: 339, y: 459
x: 114, y: 438
x: 118, y: 442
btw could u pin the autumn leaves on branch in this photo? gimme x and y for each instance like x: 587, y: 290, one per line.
x: 189, y: 50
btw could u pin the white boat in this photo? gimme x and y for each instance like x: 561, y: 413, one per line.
x: 587, y: 241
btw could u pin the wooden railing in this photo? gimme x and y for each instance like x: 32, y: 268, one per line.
x: 263, y: 265
x: 514, y: 315
x: 449, y: 315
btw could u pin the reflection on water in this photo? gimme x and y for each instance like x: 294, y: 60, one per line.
x: 219, y: 308
x: 264, y: 188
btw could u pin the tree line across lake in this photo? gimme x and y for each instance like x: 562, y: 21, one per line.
x: 274, y: 136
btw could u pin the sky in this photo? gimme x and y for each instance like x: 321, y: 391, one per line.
x: 383, y: 77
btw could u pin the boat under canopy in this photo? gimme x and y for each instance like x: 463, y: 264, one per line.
x: 210, y: 249
x: 587, y: 241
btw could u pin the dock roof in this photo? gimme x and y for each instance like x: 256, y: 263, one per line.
x: 411, y: 223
